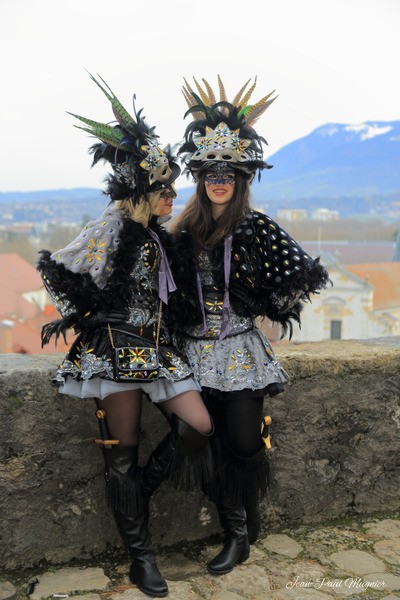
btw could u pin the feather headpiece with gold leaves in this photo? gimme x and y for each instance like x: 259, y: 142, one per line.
x: 131, y: 147
x: 223, y: 130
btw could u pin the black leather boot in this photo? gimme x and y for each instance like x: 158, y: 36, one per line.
x: 236, y: 547
x: 125, y: 497
x: 253, y: 521
x: 184, y: 456
x: 256, y: 476
x: 144, y: 571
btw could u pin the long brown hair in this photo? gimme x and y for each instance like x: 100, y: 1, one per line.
x: 197, y: 217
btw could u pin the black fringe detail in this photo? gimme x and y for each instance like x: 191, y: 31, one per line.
x: 191, y: 473
x: 57, y: 328
x: 191, y: 464
x: 244, y: 481
x: 123, y: 492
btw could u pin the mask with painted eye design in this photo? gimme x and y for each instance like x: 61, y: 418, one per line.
x: 168, y: 193
x: 220, y: 174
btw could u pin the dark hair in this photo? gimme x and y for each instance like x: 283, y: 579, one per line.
x: 197, y: 217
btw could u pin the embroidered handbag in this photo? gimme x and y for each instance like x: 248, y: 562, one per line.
x: 137, y: 362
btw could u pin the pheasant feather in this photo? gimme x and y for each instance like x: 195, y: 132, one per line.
x: 191, y: 103
x: 211, y: 95
x: 222, y: 93
x: 236, y: 100
x: 99, y: 128
x: 120, y: 112
x: 188, y: 88
x: 203, y: 95
x: 112, y: 141
x: 258, y: 109
x: 247, y: 97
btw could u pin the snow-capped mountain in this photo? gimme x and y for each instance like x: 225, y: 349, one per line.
x: 335, y: 160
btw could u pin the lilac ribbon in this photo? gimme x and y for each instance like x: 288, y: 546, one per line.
x: 201, y: 300
x: 226, y: 325
x: 166, y: 283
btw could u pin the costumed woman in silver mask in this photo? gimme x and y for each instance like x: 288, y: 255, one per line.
x: 114, y: 286
x: 244, y: 265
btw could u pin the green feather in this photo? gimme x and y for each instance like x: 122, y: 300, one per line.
x: 121, y: 114
x: 245, y: 110
x: 90, y: 122
x: 103, y: 137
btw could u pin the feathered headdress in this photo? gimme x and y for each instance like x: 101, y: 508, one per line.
x: 131, y: 147
x: 222, y: 130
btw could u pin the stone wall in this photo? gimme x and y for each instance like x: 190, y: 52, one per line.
x: 335, y: 453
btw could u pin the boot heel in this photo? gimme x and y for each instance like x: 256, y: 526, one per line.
x: 245, y: 555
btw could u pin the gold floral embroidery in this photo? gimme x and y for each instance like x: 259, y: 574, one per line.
x: 95, y: 250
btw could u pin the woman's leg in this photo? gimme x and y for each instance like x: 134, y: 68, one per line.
x: 241, y: 471
x: 123, y: 412
x: 189, y: 407
x: 184, y: 456
x: 248, y: 457
x: 243, y: 425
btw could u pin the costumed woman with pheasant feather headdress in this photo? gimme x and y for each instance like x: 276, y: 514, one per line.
x: 244, y: 265
x: 113, y: 284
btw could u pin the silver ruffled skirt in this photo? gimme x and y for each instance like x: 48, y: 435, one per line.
x: 242, y: 361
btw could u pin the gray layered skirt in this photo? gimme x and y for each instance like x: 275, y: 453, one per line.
x: 242, y: 361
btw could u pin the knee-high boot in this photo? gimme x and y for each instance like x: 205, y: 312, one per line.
x: 242, y: 480
x: 231, y: 512
x: 255, y: 471
x: 236, y: 545
x: 184, y: 456
x: 125, y: 497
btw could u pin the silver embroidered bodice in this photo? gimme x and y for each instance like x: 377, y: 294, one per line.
x: 213, y: 301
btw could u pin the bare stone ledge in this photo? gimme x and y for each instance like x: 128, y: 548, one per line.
x: 334, y: 435
x: 7, y: 590
x: 389, y: 550
x: 386, y: 528
x: 357, y: 562
x: 69, y: 581
x: 282, y: 544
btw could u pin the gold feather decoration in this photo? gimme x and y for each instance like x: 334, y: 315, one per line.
x: 211, y: 95
x: 258, y: 109
x: 250, y: 113
x: 222, y: 93
x: 190, y: 101
x: 202, y: 93
x: 246, y: 98
x: 236, y: 100
x: 188, y: 97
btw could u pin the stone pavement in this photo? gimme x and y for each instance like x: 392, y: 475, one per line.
x: 356, y: 559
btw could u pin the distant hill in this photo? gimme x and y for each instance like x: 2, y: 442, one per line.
x: 333, y: 161
x: 69, y: 195
x: 354, y: 169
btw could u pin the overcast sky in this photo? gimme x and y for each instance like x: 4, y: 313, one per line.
x: 329, y: 61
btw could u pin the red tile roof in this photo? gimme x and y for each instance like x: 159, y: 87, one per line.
x: 16, y: 277
x: 385, y: 279
x: 25, y: 340
x: 21, y: 321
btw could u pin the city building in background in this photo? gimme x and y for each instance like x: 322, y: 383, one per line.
x: 292, y: 214
x: 364, y: 302
x: 325, y: 214
x: 24, y: 308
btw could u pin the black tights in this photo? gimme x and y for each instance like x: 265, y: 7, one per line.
x: 124, y: 409
x: 239, y: 420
